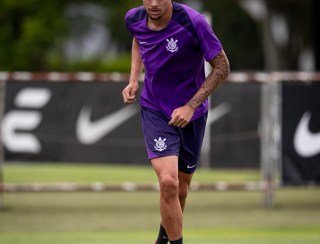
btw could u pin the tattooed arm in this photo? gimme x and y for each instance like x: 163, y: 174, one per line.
x: 221, y: 69
x: 220, y: 64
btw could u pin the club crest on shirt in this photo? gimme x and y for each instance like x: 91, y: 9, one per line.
x: 160, y: 144
x: 172, y: 45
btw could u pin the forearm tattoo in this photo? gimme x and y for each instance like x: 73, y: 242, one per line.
x: 220, y: 71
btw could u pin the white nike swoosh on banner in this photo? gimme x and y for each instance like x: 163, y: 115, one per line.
x: 218, y: 112
x: 89, y: 132
x: 306, y: 143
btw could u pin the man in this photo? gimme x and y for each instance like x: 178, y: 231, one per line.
x: 171, y: 41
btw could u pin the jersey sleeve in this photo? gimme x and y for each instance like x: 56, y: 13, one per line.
x: 209, y: 42
x: 133, y: 17
x: 129, y: 19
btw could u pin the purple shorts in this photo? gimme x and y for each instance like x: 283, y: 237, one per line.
x: 165, y: 140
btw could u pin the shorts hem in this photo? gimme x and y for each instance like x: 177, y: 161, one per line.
x: 164, y: 155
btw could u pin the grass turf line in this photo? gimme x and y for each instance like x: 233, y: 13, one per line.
x: 207, y: 236
x: 111, y: 174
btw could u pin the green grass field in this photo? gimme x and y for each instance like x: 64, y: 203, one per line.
x: 112, y: 174
x: 133, y: 217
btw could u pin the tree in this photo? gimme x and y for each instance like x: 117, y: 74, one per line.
x: 33, y: 32
x: 30, y: 29
x: 240, y: 35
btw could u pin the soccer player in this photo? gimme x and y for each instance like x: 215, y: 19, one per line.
x: 172, y: 41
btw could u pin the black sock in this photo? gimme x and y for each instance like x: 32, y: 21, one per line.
x: 177, y: 241
x: 162, y: 237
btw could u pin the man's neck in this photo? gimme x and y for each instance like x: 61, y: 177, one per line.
x: 162, y: 22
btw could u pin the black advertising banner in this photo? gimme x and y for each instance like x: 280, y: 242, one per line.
x: 88, y: 122
x: 301, y: 133
x: 71, y: 122
x: 234, y: 125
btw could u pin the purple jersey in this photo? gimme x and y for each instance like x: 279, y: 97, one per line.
x: 173, y: 57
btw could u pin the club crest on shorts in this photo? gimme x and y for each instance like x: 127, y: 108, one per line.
x: 172, y: 45
x: 160, y: 144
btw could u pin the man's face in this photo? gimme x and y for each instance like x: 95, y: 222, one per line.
x: 156, y: 8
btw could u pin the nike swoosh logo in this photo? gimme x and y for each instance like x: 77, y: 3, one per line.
x: 191, y: 167
x: 306, y: 143
x: 89, y: 132
x: 217, y: 112
x: 141, y: 42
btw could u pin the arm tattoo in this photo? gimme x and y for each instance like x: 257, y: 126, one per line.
x: 220, y: 71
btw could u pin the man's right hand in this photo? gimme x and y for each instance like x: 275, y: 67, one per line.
x: 129, y: 93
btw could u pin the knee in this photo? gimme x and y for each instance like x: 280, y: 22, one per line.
x: 169, y: 187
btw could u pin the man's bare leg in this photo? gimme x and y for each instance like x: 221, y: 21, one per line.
x: 184, y: 184
x: 170, y: 208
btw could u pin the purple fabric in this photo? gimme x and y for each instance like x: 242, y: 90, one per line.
x: 164, y: 140
x: 173, y: 57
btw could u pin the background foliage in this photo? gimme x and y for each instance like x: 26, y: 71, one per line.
x: 33, y: 34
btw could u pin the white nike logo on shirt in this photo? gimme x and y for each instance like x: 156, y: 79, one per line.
x: 89, y: 132
x: 306, y: 143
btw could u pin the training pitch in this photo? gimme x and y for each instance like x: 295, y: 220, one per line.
x: 132, y: 217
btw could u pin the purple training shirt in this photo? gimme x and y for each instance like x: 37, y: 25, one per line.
x: 173, y: 57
